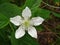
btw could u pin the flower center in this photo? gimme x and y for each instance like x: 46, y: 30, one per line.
x: 26, y: 23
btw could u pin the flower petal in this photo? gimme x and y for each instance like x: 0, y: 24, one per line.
x: 20, y: 32
x: 32, y: 31
x: 17, y: 20
x: 26, y: 13
x: 37, y: 21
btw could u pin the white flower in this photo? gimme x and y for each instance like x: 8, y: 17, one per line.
x: 26, y: 24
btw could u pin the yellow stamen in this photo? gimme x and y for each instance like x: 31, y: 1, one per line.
x: 26, y: 23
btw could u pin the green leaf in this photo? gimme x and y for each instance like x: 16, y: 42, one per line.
x: 10, y: 10
x: 32, y: 3
x: 41, y: 12
x: 3, y: 21
x: 3, y: 1
x: 25, y: 40
x: 4, y: 38
x: 39, y: 28
x: 57, y: 42
x: 37, y: 3
x: 56, y: 14
x: 56, y: 0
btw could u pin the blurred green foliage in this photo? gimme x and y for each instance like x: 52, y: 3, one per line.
x: 8, y: 9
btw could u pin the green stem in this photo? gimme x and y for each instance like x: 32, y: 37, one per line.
x: 11, y: 27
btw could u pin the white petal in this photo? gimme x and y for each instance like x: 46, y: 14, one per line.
x: 26, y: 13
x: 17, y: 20
x: 20, y: 32
x: 37, y: 21
x: 32, y: 31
